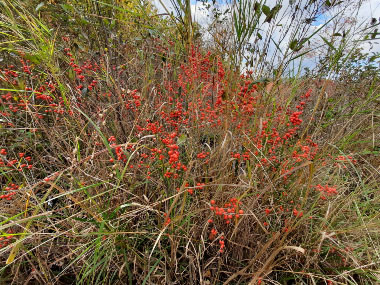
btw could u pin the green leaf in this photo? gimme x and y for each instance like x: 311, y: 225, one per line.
x: 181, y: 139
x: 276, y: 9
x: 273, y: 13
x: 277, y: 45
x: 257, y: 7
x: 266, y: 10
x: 106, y: 22
x: 67, y: 8
x: 373, y: 58
x: 293, y: 44
x: 375, y: 32
x: 151, y: 270
x: 328, y: 43
x: 113, y: 24
x: 35, y: 58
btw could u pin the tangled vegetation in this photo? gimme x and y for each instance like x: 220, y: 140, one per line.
x: 134, y: 150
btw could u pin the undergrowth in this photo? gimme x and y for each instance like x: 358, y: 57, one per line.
x: 157, y: 162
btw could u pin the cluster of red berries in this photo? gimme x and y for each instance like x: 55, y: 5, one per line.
x: 297, y: 213
x: 5, y: 240
x: 203, y: 154
x: 167, y: 220
x: 229, y: 210
x: 8, y: 196
x: 342, y: 160
x: 326, y: 190
x: 212, y: 236
x: 16, y: 162
x: 135, y: 102
x: 246, y: 155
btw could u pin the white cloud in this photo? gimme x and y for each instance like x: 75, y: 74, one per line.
x: 370, y: 9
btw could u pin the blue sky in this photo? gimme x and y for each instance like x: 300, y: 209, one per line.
x: 320, y: 20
